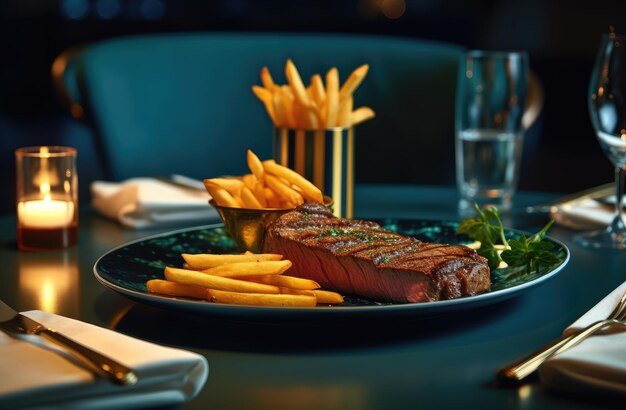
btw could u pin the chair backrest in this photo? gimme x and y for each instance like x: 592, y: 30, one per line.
x: 182, y: 103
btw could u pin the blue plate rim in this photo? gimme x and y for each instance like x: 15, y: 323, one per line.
x: 238, y: 310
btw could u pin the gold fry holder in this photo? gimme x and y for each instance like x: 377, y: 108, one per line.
x: 324, y: 157
x: 247, y: 226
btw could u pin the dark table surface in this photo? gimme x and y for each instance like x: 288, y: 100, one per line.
x: 445, y: 361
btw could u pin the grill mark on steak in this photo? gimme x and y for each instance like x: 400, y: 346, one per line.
x: 361, y: 258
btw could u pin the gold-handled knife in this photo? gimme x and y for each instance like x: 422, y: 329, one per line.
x: 576, y: 198
x: 16, y: 323
x: 521, y: 368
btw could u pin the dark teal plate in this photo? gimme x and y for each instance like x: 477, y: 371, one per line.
x: 126, y: 270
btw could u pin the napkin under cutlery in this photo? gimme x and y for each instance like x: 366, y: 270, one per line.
x: 150, y: 202
x: 39, y: 375
x: 598, y: 364
x: 590, y: 209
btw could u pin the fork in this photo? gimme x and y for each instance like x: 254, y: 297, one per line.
x: 522, y: 368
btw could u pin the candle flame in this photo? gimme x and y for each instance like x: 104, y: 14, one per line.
x: 44, y: 188
x: 46, y: 176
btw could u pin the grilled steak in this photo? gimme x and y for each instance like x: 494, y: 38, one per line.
x: 361, y: 258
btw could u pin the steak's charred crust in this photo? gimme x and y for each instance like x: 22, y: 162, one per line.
x: 352, y: 255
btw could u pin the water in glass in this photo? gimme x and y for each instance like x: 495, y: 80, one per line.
x: 491, y: 98
x: 488, y: 163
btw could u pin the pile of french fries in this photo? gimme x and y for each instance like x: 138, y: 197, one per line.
x: 315, y: 107
x: 246, y: 279
x: 269, y: 185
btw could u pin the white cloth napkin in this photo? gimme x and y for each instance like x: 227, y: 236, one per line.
x: 34, y: 375
x: 598, y: 364
x: 148, y: 202
x: 587, y: 214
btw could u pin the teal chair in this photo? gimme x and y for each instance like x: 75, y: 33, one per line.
x: 182, y: 103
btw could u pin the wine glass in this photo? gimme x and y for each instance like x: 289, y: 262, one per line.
x: 607, y: 108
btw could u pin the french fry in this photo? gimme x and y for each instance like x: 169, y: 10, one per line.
x: 279, y: 110
x: 304, y: 107
x: 236, y: 298
x: 286, y: 281
x: 332, y: 98
x: 323, y: 296
x: 239, y: 200
x: 221, y: 196
x: 166, y: 287
x: 232, y: 185
x: 262, y: 93
x: 192, y: 277
x: 295, y: 81
x: 249, y: 180
x: 318, y: 93
x: 290, y: 291
x: 288, y: 101
x: 285, y: 204
x: 297, y: 189
x: 361, y: 114
x: 267, y: 80
x: 309, y: 191
x: 345, y: 111
x: 283, y: 190
x: 201, y: 261
x: 241, y: 269
x: 273, y: 201
x: 255, y: 165
x: 312, y: 117
x: 304, y: 116
x: 353, y: 81
x: 283, y: 180
x: 315, y: 107
x: 249, y: 200
x: 259, y: 193
x: 264, y: 284
x: 326, y: 296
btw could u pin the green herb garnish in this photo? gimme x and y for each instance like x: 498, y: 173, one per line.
x: 487, y: 229
x: 532, y: 252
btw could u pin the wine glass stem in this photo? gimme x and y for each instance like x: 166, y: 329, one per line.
x: 617, y: 226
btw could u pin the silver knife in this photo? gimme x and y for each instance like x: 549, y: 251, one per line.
x: 16, y: 323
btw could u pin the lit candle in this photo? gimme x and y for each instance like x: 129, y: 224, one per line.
x: 45, y: 213
x: 46, y: 198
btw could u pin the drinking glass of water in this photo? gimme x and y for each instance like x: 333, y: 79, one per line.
x: 491, y: 98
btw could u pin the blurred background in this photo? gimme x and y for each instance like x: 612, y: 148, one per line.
x: 561, y: 38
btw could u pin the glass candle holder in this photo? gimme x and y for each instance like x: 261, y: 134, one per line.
x: 324, y: 157
x: 47, y: 198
